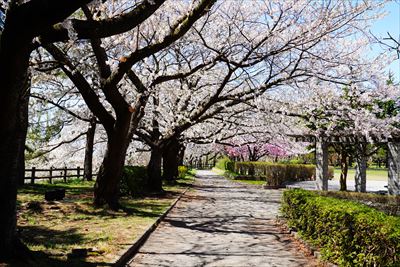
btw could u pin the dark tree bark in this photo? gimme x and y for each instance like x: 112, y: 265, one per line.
x: 23, y: 121
x: 88, y: 164
x: 15, y: 49
x: 14, y: 57
x: 106, y: 190
x: 154, y: 182
x: 181, y: 155
x: 171, y: 160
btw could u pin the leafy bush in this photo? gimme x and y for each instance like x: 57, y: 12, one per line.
x: 230, y: 165
x: 182, y: 171
x: 133, y: 180
x: 348, y: 233
x: 388, y: 204
x: 275, y: 174
x: 222, y: 163
x: 291, y: 161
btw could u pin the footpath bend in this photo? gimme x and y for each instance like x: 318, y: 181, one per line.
x: 222, y: 223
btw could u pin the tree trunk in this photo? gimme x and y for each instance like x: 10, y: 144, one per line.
x: 154, y: 182
x: 14, y: 58
x: 181, y: 155
x: 344, y: 167
x: 88, y: 164
x: 23, y: 118
x: 106, y: 189
x: 171, y: 161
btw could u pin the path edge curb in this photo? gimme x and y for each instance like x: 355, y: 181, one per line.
x: 139, y: 241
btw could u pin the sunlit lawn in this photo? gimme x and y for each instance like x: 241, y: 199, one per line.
x: 53, y: 229
x: 372, y: 174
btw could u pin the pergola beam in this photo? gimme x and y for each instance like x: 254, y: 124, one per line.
x: 321, y: 154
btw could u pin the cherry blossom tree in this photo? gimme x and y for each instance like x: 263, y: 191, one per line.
x: 364, y: 112
x: 245, y: 70
x: 120, y: 128
x: 245, y: 53
x: 30, y: 24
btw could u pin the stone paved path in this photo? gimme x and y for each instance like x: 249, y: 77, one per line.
x: 221, y: 223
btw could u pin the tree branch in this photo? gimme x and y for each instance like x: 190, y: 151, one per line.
x: 90, y: 97
x: 60, y: 107
x: 87, y: 29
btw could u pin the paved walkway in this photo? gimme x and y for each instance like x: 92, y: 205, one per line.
x: 222, y: 223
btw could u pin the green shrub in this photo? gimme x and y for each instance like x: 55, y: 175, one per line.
x: 348, y: 233
x: 182, y: 171
x: 133, y: 180
x: 275, y: 174
x: 222, y: 163
x: 291, y: 161
x: 230, y: 166
x: 388, y: 204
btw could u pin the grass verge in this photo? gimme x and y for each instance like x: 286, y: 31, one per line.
x: 372, y: 174
x: 53, y: 229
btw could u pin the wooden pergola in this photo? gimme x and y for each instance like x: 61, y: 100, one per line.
x: 321, y: 156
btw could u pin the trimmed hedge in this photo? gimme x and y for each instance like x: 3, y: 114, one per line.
x: 133, y: 180
x: 275, y: 174
x: 182, y: 171
x: 386, y: 203
x: 348, y: 233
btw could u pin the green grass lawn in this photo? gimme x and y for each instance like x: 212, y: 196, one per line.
x: 53, y: 229
x: 372, y: 174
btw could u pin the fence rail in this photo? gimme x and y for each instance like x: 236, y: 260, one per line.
x: 64, y: 173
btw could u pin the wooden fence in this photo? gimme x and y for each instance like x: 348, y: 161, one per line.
x: 53, y: 173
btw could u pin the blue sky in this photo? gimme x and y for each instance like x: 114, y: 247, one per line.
x: 391, y: 23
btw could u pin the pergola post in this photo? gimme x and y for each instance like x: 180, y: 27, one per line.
x: 360, y: 178
x: 394, y: 168
x: 321, y: 160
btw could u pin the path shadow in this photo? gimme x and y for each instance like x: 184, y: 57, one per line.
x: 50, y: 238
x: 221, y: 223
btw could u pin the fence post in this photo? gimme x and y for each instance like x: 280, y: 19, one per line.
x: 78, y: 172
x: 51, y: 175
x: 33, y: 175
x: 65, y: 174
